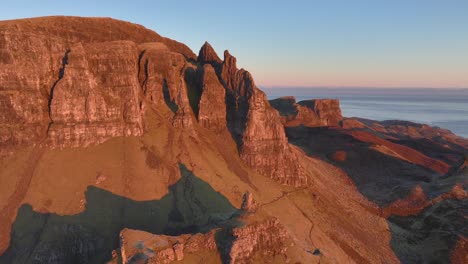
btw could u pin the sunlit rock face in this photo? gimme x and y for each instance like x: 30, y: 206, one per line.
x: 212, y: 106
x: 264, y: 240
x: 85, y: 87
x: 75, y: 85
x: 311, y: 113
x: 257, y: 127
x: 96, y: 96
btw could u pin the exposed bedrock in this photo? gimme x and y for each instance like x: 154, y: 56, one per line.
x: 96, y: 96
x: 264, y: 239
x: 80, y: 80
x: 76, y: 86
x: 254, y: 124
x: 311, y: 113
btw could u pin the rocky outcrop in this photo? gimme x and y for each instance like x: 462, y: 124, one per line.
x: 94, y: 81
x: 257, y: 127
x: 311, y: 113
x: 212, y: 106
x: 96, y: 96
x: 249, y: 204
x: 263, y: 239
x: 252, y: 122
x: 142, y: 246
x: 74, y: 85
x: 265, y: 147
x: 162, y: 75
x: 208, y: 55
x: 327, y: 111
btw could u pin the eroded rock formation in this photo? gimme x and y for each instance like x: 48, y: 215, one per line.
x: 248, y: 203
x: 75, y: 85
x: 311, y: 113
x: 265, y: 239
x: 96, y: 95
x: 212, y: 106
x: 149, y: 248
x: 87, y: 86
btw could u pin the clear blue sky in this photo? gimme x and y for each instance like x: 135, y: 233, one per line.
x: 374, y: 43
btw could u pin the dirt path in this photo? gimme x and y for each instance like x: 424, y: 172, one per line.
x: 283, y: 195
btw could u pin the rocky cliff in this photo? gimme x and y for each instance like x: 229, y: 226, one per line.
x: 118, y: 144
x: 73, y: 86
x: 253, y: 123
x: 311, y: 113
x: 267, y: 240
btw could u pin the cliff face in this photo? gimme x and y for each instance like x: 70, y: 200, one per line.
x: 75, y: 85
x: 254, y: 124
x: 311, y: 113
x: 212, y: 106
x: 266, y: 240
x: 96, y: 95
x: 71, y: 86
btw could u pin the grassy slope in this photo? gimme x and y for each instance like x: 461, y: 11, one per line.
x: 330, y: 214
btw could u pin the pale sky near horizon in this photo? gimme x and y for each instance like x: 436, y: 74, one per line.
x: 371, y: 43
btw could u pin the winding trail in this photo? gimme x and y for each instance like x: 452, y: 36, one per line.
x: 285, y: 195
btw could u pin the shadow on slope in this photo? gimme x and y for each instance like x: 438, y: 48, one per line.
x: 429, y: 236
x: 191, y: 206
x: 380, y: 178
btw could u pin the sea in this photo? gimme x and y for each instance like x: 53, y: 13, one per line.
x: 445, y: 108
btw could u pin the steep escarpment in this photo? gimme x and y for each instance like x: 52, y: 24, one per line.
x: 83, y: 86
x: 254, y: 124
x: 52, y: 81
x: 212, y: 106
x: 89, y: 103
x: 311, y: 113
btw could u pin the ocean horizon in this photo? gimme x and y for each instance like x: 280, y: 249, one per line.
x: 442, y: 107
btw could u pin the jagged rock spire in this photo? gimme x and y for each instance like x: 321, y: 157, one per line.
x: 208, y: 55
x: 230, y: 60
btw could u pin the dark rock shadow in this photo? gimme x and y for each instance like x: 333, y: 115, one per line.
x: 430, y: 236
x: 237, y: 108
x: 224, y: 241
x: 191, y: 206
x: 379, y: 177
x: 427, y: 237
x: 167, y: 98
x: 194, y: 88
